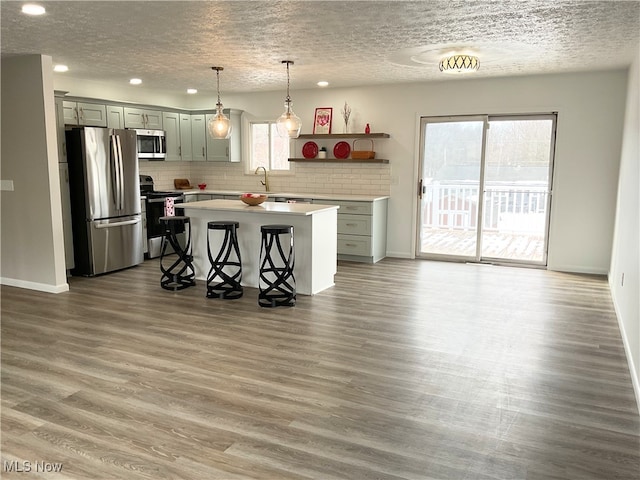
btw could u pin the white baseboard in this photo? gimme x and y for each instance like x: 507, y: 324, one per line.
x: 41, y: 287
x: 577, y: 269
x: 635, y: 379
x: 400, y: 255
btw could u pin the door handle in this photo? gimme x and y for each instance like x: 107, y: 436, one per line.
x: 118, y: 224
x: 420, y: 190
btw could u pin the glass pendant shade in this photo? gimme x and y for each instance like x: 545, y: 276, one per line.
x: 219, y: 126
x: 288, y: 124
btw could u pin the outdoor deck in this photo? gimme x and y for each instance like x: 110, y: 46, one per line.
x: 461, y: 242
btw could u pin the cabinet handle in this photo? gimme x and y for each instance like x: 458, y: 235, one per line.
x: 180, y: 150
x: 350, y: 208
x: 203, y: 151
x: 75, y: 114
x: 350, y: 245
x: 145, y: 120
x: 227, y: 152
x: 351, y: 224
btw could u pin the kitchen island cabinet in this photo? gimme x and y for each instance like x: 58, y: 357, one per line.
x: 362, y: 219
x: 315, y: 238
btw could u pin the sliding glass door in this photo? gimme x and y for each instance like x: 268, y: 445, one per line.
x: 485, y: 188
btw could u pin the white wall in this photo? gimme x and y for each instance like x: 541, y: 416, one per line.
x: 590, y: 110
x: 32, y: 252
x: 626, y: 241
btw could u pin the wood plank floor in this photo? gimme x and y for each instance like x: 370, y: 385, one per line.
x: 403, y: 370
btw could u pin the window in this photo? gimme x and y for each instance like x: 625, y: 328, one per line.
x: 268, y: 149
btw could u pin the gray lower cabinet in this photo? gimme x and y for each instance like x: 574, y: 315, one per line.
x: 198, y: 197
x: 362, y: 229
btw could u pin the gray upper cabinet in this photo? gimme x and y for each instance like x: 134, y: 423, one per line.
x: 115, y: 116
x: 186, y: 151
x: 86, y: 114
x: 62, y: 143
x: 198, y: 137
x: 171, y: 123
x: 227, y: 150
x: 142, y: 118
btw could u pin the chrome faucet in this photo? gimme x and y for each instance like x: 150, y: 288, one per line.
x: 264, y: 182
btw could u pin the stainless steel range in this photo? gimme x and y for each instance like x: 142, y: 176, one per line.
x: 154, y: 202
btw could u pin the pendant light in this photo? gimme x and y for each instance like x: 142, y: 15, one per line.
x: 219, y: 126
x: 288, y: 124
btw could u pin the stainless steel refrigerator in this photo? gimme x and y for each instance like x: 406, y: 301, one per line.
x: 105, y: 199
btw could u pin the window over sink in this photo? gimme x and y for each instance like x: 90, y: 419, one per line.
x: 267, y: 149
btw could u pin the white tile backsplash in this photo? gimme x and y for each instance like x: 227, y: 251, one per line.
x: 327, y: 178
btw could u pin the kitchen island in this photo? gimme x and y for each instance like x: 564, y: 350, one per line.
x: 315, y: 238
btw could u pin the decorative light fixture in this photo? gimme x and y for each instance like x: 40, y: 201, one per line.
x: 459, y: 64
x: 219, y: 126
x: 288, y: 124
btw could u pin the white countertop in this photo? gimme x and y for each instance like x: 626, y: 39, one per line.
x: 319, y: 196
x: 264, y: 208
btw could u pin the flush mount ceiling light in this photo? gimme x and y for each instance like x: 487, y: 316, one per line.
x: 33, y: 9
x: 191, y: 91
x: 459, y: 64
x: 323, y: 83
x: 288, y: 124
x: 135, y: 81
x: 60, y: 68
x: 219, y: 125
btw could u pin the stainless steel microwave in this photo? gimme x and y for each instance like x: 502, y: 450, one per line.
x: 151, y: 144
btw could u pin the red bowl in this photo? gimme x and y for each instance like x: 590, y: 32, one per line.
x: 202, y: 186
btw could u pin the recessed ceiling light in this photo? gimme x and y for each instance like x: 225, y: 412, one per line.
x: 192, y: 90
x: 135, y: 81
x: 323, y: 83
x: 33, y: 9
x: 60, y: 68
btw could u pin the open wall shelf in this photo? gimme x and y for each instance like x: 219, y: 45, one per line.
x: 344, y: 135
x: 340, y: 160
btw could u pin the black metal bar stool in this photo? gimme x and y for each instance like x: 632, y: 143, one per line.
x: 179, y: 274
x: 225, y: 275
x: 277, y: 283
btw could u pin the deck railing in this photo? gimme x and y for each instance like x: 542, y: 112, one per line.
x: 507, y: 207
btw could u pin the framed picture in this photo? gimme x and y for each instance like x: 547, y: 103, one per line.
x: 322, y: 122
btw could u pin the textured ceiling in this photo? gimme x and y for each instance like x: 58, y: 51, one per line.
x: 172, y: 45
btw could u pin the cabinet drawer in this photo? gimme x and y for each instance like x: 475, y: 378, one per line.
x: 354, y: 208
x: 354, y: 245
x: 354, y: 224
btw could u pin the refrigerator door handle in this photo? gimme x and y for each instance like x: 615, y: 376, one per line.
x: 115, y: 172
x: 120, y: 173
x: 117, y: 224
